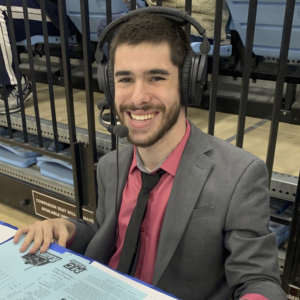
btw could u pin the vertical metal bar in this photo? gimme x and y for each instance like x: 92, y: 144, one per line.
x: 61, y: 68
x: 17, y: 68
x: 112, y: 116
x: 285, y: 44
x: 215, y: 70
x: 89, y: 97
x: 49, y: 75
x: 187, y: 27
x: 246, y: 72
x: 5, y: 96
x: 158, y: 2
x: 113, y: 137
x: 108, y: 12
x: 188, y: 9
x: 293, y: 246
x: 70, y: 106
x: 133, y: 5
x: 32, y: 75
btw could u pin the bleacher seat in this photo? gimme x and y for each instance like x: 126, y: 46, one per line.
x: 268, y: 29
x: 37, y: 39
x: 97, y: 11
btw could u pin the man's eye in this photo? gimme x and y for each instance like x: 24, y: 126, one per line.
x: 125, y: 80
x: 156, y: 78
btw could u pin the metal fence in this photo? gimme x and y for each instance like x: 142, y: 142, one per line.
x: 84, y: 154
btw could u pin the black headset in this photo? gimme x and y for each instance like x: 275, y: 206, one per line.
x: 194, y: 68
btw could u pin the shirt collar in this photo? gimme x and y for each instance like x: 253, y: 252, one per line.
x: 170, y: 164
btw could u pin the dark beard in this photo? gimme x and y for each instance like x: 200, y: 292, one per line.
x: 169, y: 121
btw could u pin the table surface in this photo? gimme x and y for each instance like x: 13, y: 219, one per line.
x: 16, y: 217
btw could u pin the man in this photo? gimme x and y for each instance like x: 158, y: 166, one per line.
x: 205, y: 231
x: 35, y: 25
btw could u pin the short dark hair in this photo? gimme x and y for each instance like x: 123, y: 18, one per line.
x: 154, y: 29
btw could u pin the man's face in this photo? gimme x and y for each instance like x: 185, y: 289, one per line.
x: 147, y: 98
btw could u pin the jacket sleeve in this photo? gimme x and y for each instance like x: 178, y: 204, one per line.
x: 252, y: 264
x: 85, y: 231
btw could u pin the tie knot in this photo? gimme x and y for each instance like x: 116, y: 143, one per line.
x: 149, y: 181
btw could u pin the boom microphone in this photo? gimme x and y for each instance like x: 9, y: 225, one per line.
x: 120, y: 131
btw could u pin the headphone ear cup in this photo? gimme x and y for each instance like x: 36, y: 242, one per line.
x: 203, y: 69
x: 198, y: 78
x: 101, y: 76
x: 185, y: 78
x: 110, y: 84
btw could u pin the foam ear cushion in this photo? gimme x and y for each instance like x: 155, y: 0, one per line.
x: 194, y: 83
x: 111, y: 83
x: 185, y: 77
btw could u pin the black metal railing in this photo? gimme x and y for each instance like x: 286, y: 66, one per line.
x: 291, y: 271
x: 246, y: 72
x: 285, y: 43
x: 215, y: 69
x: 89, y: 97
x: 49, y: 75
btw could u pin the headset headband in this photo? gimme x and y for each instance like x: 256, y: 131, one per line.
x: 173, y: 14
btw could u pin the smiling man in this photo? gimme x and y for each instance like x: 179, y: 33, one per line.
x: 148, y: 99
x: 203, y: 231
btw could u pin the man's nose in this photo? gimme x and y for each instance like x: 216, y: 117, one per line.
x: 140, y: 93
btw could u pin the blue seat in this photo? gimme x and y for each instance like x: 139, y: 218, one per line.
x: 97, y: 11
x: 268, y: 28
x: 36, y: 39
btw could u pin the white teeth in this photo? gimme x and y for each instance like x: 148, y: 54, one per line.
x: 142, y: 118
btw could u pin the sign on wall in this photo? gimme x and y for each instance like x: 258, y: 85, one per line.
x: 293, y: 293
x: 49, y: 208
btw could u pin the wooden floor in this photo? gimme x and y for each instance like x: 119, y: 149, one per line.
x: 15, y: 217
x: 287, y: 156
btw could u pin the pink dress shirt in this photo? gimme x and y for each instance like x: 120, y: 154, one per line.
x: 157, y: 204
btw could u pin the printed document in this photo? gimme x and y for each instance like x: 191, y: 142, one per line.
x: 63, y: 276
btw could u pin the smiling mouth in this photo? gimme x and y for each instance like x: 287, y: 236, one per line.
x: 142, y: 117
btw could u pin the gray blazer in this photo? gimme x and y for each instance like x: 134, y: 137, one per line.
x: 214, y: 243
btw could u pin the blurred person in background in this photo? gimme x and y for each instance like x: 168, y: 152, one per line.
x: 35, y: 24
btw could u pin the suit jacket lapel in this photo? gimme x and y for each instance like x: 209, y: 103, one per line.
x: 191, y: 175
x: 125, y: 160
x: 103, y: 254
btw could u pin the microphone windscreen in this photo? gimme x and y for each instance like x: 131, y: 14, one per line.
x: 121, y: 131
x: 101, y: 103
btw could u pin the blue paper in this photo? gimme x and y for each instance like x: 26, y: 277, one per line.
x: 62, y: 274
x: 53, y: 275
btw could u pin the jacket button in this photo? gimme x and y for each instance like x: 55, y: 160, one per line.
x: 142, y: 229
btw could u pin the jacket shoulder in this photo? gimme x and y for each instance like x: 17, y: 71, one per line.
x: 111, y: 158
x: 221, y: 151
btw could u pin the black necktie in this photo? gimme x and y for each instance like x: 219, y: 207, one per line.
x: 130, y: 250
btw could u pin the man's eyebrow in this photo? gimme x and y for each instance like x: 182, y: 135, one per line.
x: 123, y: 73
x: 157, y: 71
x: 149, y: 72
